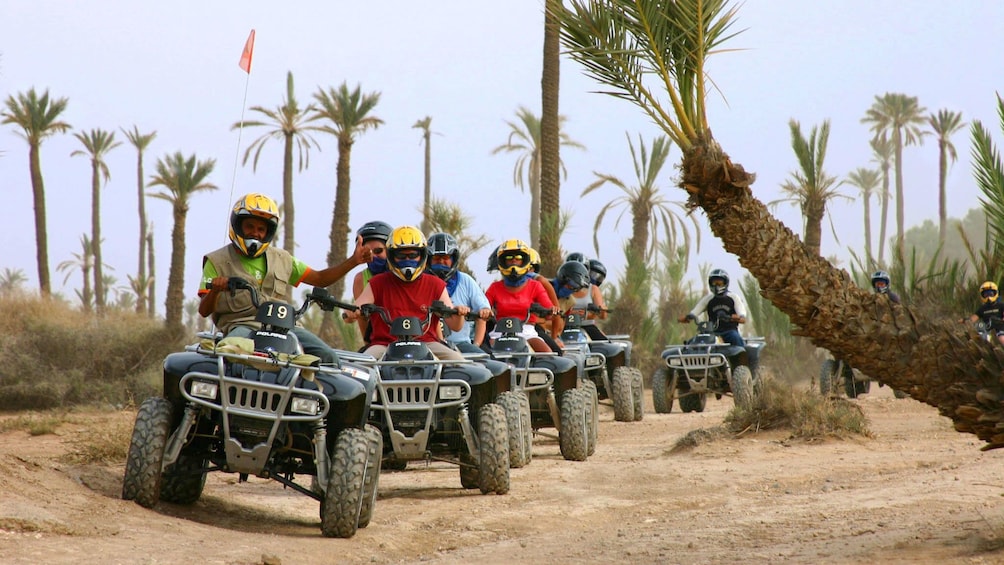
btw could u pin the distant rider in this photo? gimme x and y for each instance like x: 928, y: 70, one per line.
x: 991, y: 312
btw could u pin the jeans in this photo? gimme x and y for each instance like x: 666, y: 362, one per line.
x: 732, y: 337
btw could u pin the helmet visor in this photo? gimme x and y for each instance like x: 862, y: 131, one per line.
x: 988, y: 293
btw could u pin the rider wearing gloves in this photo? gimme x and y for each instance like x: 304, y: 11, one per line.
x: 720, y: 304
x: 991, y: 312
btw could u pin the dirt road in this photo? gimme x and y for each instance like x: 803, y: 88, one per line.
x: 918, y: 492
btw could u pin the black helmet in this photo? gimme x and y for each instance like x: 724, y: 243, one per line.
x: 493, y: 259
x: 880, y: 276
x: 576, y: 256
x: 574, y: 274
x: 597, y: 272
x: 718, y: 274
x: 443, y: 244
x: 375, y: 230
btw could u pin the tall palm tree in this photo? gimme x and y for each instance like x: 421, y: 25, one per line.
x: 944, y: 124
x: 899, y: 118
x: 11, y: 281
x: 423, y: 125
x: 882, y: 153
x: 867, y: 181
x: 550, y: 141
x: 140, y: 284
x: 84, y: 262
x: 810, y: 186
x: 937, y: 361
x: 348, y: 112
x: 289, y: 123
x: 38, y: 118
x: 181, y: 178
x: 524, y: 138
x: 97, y: 143
x: 649, y: 209
x: 151, y: 270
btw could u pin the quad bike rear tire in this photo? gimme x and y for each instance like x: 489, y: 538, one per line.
x: 518, y: 422
x: 828, y: 377
x: 183, y: 482
x: 143, y: 476
x: 693, y: 401
x: 573, y: 438
x: 638, y: 394
x: 341, y: 507
x: 742, y: 387
x: 594, y: 410
x: 622, y: 395
x: 663, y: 391
x: 852, y: 387
x: 372, y: 476
x: 493, y: 450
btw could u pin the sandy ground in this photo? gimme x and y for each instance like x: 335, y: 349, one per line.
x: 917, y: 492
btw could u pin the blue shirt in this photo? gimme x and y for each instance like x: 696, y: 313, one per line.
x: 469, y: 294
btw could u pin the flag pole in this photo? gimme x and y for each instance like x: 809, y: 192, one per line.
x: 245, y: 65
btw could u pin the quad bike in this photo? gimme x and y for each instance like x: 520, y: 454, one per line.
x: 605, y: 364
x: 444, y: 410
x: 260, y: 406
x: 706, y: 365
x: 557, y: 395
x: 834, y: 373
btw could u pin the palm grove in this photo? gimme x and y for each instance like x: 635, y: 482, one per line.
x: 623, y: 45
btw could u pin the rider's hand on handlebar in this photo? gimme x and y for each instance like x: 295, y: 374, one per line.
x: 462, y: 310
x: 485, y: 313
x: 219, y: 284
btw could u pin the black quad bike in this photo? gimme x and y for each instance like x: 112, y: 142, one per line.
x: 606, y: 368
x: 444, y: 410
x: 705, y: 365
x: 259, y: 406
x: 556, y: 393
x: 836, y: 374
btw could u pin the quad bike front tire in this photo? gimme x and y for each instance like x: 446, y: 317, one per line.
x: 693, y: 401
x: 638, y: 394
x: 372, y: 475
x: 828, y: 377
x: 184, y: 480
x: 594, y: 411
x: 341, y: 507
x: 742, y: 387
x: 518, y: 422
x: 143, y: 472
x: 852, y: 387
x: 663, y: 391
x: 622, y: 395
x: 493, y: 450
x: 573, y: 437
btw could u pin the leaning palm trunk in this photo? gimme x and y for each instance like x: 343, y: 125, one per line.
x: 936, y: 361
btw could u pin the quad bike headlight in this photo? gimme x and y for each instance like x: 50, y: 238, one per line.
x: 594, y: 361
x: 536, y: 378
x: 203, y: 389
x: 675, y: 362
x: 303, y: 405
x: 450, y: 393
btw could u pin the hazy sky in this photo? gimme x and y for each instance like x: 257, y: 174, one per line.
x: 171, y: 67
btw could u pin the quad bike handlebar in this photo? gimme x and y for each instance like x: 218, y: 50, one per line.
x: 317, y: 295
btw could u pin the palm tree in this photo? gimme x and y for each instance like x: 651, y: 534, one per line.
x: 550, y: 141
x: 97, y: 143
x: 810, y: 186
x: 38, y: 118
x: 937, y: 361
x: 899, y: 118
x: 151, y: 304
x: 423, y: 125
x: 524, y: 138
x: 181, y: 179
x: 882, y: 152
x: 649, y: 209
x: 140, y: 284
x: 349, y: 114
x: 290, y: 124
x: 84, y: 261
x: 989, y: 172
x: 11, y: 281
x: 867, y: 181
x: 944, y: 124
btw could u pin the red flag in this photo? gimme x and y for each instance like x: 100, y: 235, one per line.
x: 245, y: 62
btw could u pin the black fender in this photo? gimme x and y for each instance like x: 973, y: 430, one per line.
x: 614, y: 351
x: 566, y: 372
x: 349, y: 398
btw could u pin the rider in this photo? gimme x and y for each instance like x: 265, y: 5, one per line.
x: 513, y: 295
x: 991, y: 312
x: 407, y: 290
x: 374, y: 236
x: 273, y: 271
x: 572, y: 279
x: 880, y: 284
x: 722, y: 305
x: 444, y: 257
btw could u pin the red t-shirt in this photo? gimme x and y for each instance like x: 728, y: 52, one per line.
x: 404, y: 299
x: 514, y: 302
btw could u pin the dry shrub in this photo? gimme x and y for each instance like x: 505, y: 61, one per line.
x: 55, y: 356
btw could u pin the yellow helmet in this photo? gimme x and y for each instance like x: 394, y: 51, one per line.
x: 513, y: 258
x: 407, y: 251
x: 988, y: 291
x: 534, y: 260
x: 253, y: 205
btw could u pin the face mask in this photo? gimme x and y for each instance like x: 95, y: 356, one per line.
x: 377, y: 265
x: 440, y: 270
x: 562, y: 290
x: 513, y: 280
